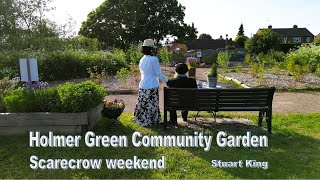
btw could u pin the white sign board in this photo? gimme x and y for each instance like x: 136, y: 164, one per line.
x: 199, y: 54
x: 29, y: 69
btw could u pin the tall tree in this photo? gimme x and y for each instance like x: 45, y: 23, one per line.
x: 241, y: 38
x: 23, y: 23
x: 205, y: 36
x: 262, y: 42
x: 241, y: 30
x: 119, y: 23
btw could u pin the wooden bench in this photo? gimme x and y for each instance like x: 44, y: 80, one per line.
x: 215, y: 100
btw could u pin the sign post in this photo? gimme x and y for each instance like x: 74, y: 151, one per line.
x: 199, y: 55
x: 28, y: 69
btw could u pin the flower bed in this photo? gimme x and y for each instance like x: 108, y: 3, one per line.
x: 69, y: 108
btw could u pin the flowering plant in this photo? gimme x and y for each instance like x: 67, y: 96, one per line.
x: 113, y: 109
x: 192, y: 62
x: 114, y: 103
x: 35, y: 85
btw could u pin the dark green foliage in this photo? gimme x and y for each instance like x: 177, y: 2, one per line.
x: 241, y: 40
x: 241, y: 30
x: 179, y: 58
x: 262, y: 42
x: 68, y: 98
x: 210, y: 59
x: 205, y: 36
x: 62, y: 65
x: 119, y: 23
x: 49, y: 100
x: 80, y: 97
x: 230, y: 47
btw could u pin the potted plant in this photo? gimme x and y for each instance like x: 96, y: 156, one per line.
x: 212, y: 76
x: 112, y: 109
x: 192, y: 63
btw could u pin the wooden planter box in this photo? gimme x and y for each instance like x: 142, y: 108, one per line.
x: 64, y: 123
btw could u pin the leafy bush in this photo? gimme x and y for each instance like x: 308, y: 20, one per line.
x: 224, y: 58
x: 178, y: 58
x: 48, y: 99
x: 210, y: 59
x: 26, y: 100
x: 262, y: 42
x: 80, y: 97
x: 165, y: 56
x: 21, y: 100
x: 133, y: 55
x: 303, y: 60
x: 64, y: 65
x: 272, y: 58
x: 66, y: 98
x: 123, y: 74
x: 6, y: 86
x: 95, y: 76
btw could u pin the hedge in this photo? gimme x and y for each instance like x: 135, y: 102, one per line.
x: 62, y: 65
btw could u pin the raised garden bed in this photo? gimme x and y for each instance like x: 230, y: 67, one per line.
x: 65, y: 123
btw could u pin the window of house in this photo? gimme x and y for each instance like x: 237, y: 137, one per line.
x: 308, y: 39
x: 297, y: 39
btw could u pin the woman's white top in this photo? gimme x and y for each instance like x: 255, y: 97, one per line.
x: 150, y: 72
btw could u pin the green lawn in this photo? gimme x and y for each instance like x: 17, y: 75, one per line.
x: 293, y: 152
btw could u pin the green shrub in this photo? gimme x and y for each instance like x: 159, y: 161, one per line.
x: 80, y: 97
x: 179, y: 58
x: 165, y: 56
x: 49, y: 100
x: 210, y: 59
x: 68, y: 98
x: 64, y: 65
x: 249, y: 59
x: 95, y: 76
x: 123, y: 74
x: 272, y: 58
x: 6, y: 86
x: 224, y: 58
x: 303, y: 60
x: 21, y: 100
x: 133, y: 55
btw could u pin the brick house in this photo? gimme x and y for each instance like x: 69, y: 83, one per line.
x: 293, y: 35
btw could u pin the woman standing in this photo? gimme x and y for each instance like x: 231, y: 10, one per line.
x: 147, y: 112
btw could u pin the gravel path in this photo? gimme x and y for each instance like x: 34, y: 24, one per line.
x: 283, y: 103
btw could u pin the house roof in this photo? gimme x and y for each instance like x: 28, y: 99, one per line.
x: 210, y: 44
x: 302, y: 32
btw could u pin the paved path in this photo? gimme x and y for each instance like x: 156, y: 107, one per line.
x: 283, y: 103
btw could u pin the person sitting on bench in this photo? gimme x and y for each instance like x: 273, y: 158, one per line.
x: 181, y: 81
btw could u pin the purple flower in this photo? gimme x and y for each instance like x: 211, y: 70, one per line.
x: 192, y: 61
x: 35, y: 85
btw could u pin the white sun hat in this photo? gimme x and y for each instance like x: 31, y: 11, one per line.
x: 148, y: 43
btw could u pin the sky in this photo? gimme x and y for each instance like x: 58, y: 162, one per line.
x: 219, y: 17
